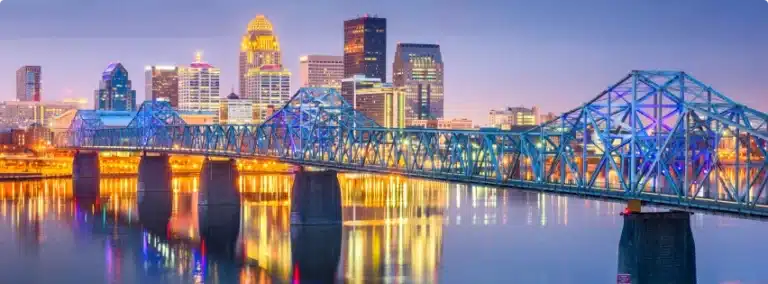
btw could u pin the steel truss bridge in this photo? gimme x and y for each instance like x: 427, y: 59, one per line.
x: 658, y: 136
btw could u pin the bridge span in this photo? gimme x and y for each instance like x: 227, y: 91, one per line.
x: 662, y: 137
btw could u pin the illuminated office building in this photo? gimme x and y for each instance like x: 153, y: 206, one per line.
x: 28, y: 87
x: 418, y: 74
x: 234, y: 110
x: 321, y: 71
x: 199, y: 86
x: 365, y: 49
x: 382, y: 104
x: 268, y: 87
x: 115, y: 91
x: 509, y: 117
x: 259, y: 46
x: 162, y: 84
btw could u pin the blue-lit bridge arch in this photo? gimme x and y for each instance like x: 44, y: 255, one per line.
x: 658, y: 136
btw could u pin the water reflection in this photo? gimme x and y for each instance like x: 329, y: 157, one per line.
x: 395, y: 230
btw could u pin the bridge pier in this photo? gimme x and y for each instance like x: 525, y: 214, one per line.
x: 154, y: 193
x: 86, y: 174
x: 657, y: 247
x: 218, y: 183
x: 219, y: 207
x: 315, y: 198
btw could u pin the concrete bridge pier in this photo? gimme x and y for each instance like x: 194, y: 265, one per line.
x: 155, y: 193
x: 86, y: 174
x: 219, y: 208
x: 657, y: 247
x: 315, y: 198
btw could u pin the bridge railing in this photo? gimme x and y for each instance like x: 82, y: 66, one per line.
x: 690, y: 169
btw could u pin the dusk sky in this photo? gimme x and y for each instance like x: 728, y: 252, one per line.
x: 553, y: 54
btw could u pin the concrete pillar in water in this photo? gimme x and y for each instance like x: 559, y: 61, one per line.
x: 86, y: 174
x: 155, y: 193
x: 315, y: 198
x: 658, y: 248
x: 218, y: 183
x: 219, y: 208
x: 316, y: 251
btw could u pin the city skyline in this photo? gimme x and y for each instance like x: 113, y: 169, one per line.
x: 529, y: 50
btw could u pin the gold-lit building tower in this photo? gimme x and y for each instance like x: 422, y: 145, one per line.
x: 258, y: 47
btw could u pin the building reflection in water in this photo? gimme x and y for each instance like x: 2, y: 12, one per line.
x: 392, y: 229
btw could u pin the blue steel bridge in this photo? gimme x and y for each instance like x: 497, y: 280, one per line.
x: 662, y: 137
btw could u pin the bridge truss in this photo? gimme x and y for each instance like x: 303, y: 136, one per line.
x: 658, y: 136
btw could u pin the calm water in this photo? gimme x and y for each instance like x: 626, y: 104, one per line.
x: 395, y: 230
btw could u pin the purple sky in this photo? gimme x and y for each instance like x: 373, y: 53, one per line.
x: 554, y: 54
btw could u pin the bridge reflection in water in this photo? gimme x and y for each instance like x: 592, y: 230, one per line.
x: 392, y: 229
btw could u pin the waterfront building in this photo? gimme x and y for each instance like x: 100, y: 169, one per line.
x: 199, y: 86
x: 162, y: 84
x: 453, y: 124
x: 28, y: 87
x: 199, y: 117
x: 24, y: 114
x: 506, y: 119
x: 418, y: 74
x: 268, y: 87
x: 115, y: 91
x: 550, y: 116
x: 259, y: 46
x: 381, y: 103
x: 365, y: 49
x: 234, y: 110
x: 321, y: 71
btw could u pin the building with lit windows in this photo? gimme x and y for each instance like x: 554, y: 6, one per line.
x: 507, y: 118
x: 382, y: 104
x: 365, y: 49
x: 324, y: 71
x: 418, y: 74
x: 162, y: 84
x: 259, y: 46
x: 28, y: 87
x: 268, y: 87
x: 24, y: 114
x: 199, y: 86
x: 234, y: 110
x: 115, y: 91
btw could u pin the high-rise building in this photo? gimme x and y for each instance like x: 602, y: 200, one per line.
x: 199, y: 86
x: 115, y: 91
x: 259, y: 46
x: 418, y: 74
x: 321, y: 71
x: 547, y: 117
x: 510, y: 117
x: 365, y: 49
x: 376, y: 100
x: 268, y: 87
x: 28, y: 83
x: 234, y: 110
x: 162, y: 84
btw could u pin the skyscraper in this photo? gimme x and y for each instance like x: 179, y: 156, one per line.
x: 115, y: 91
x: 365, y: 49
x: 162, y: 83
x: 268, y: 87
x: 28, y: 83
x: 418, y: 74
x: 321, y: 71
x: 199, y: 86
x: 259, y: 46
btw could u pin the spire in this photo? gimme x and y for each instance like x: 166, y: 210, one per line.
x: 198, y: 56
